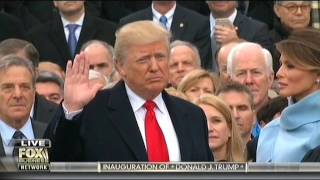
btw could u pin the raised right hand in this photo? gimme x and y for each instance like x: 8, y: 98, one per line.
x: 78, y: 90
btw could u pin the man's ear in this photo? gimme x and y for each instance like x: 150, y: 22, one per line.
x: 120, y: 68
x: 276, y: 10
x: 271, y: 79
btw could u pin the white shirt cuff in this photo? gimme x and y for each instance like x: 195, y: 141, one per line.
x: 70, y: 115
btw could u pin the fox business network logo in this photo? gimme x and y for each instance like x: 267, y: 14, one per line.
x: 33, y: 154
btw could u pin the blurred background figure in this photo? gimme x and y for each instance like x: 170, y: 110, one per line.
x: 224, y: 137
x: 48, y: 66
x: 61, y: 38
x: 184, y: 57
x: 50, y: 86
x: 272, y: 110
x: 290, y: 15
x: 197, y: 83
x: 240, y: 26
x: 184, y: 24
x: 290, y: 137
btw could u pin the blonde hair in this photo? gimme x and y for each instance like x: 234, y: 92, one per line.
x: 194, y: 76
x: 174, y: 92
x: 138, y: 33
x: 235, y: 146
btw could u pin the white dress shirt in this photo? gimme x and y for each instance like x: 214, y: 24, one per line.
x: 169, y: 15
x: 7, y: 132
x: 231, y: 18
x: 65, y: 22
x: 163, y: 119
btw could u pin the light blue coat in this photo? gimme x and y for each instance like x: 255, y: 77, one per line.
x: 287, y: 139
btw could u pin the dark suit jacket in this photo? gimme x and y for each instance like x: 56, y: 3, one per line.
x: 187, y: 25
x: 38, y: 131
x: 107, y: 130
x: 11, y: 27
x: 253, y: 30
x: 312, y: 156
x: 50, y: 39
x: 44, y: 110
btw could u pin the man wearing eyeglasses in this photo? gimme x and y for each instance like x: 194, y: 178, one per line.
x: 291, y: 15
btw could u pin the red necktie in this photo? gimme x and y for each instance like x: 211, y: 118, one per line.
x: 156, y: 144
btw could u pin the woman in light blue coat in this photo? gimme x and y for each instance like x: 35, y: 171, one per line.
x: 290, y: 137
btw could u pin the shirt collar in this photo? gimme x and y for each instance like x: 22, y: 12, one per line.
x: 169, y: 14
x: 7, y: 131
x: 137, y: 102
x: 65, y: 22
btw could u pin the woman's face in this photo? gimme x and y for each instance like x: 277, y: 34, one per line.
x: 294, y: 81
x: 219, y: 132
x: 203, y: 86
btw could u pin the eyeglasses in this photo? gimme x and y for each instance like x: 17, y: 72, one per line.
x: 293, y: 8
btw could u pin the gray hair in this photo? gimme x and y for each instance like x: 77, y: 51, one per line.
x: 11, y: 60
x: 244, y: 45
x: 104, y: 44
x: 189, y: 45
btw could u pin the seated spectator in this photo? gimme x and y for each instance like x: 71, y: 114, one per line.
x: 198, y: 82
x: 272, y: 110
x: 224, y: 137
x: 50, y: 86
x: 184, y: 57
x: 290, y: 137
x: 48, y: 66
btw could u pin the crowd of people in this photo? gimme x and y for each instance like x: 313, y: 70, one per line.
x: 167, y: 81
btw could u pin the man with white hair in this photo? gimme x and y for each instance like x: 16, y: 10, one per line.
x: 250, y: 64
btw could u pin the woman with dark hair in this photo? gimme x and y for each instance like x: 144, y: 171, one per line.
x: 290, y: 137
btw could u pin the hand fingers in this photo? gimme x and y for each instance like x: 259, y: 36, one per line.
x: 86, y: 66
x: 69, y: 70
x: 81, y: 63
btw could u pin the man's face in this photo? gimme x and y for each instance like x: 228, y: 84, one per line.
x: 294, y: 14
x: 69, y: 7
x: 145, y: 68
x: 222, y: 8
x: 100, y: 59
x: 182, y: 61
x: 51, y: 91
x: 241, y: 109
x: 16, y: 94
x: 223, y: 60
x: 250, y: 69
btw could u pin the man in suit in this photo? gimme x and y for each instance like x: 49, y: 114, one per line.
x: 184, y: 24
x: 243, y: 27
x: 11, y: 27
x: 43, y: 110
x: 17, y: 91
x: 62, y: 37
x: 136, y: 120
